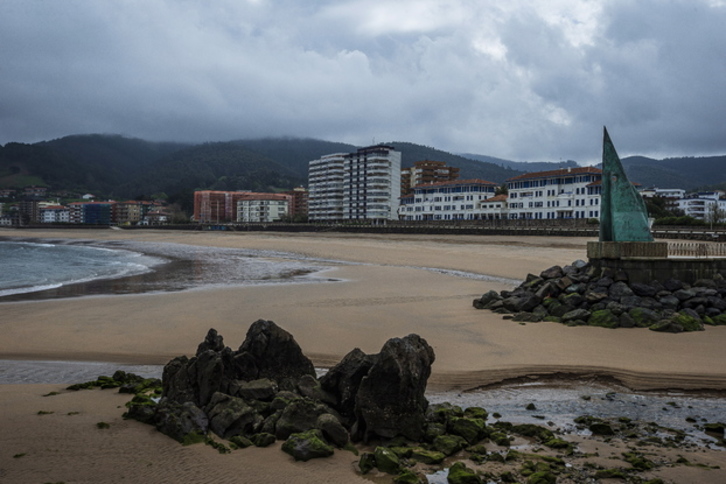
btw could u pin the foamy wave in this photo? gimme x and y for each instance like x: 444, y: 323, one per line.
x: 25, y: 290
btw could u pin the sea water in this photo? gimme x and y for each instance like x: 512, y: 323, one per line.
x: 30, y: 267
x: 45, y: 268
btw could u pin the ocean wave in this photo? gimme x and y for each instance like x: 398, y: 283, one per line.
x: 28, y: 289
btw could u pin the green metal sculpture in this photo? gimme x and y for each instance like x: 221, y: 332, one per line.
x: 623, y: 215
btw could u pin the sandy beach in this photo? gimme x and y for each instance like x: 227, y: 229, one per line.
x: 397, y: 286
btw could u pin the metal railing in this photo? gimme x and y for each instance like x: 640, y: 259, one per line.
x: 696, y: 249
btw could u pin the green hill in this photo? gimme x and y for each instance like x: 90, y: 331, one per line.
x: 22, y: 165
x: 211, y: 166
x: 113, y: 166
x: 295, y: 153
x: 688, y: 173
x: 524, y: 166
x: 411, y: 152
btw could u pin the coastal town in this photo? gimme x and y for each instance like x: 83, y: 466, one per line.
x: 369, y: 186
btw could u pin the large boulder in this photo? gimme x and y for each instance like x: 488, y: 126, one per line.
x: 299, y: 416
x: 343, y: 381
x: 269, y: 351
x: 184, y: 422
x: 307, y: 445
x: 390, y: 400
x: 193, y: 380
x: 230, y: 416
x: 524, y: 301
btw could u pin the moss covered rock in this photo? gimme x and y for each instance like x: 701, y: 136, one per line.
x: 407, y: 476
x: 689, y: 322
x: 430, y: 457
x: 367, y: 462
x: 460, y: 474
x: 387, y: 460
x: 538, y: 432
x: 604, y: 318
x: 449, y: 444
x: 476, y: 412
x: 542, y: 477
x: 471, y: 429
x: 263, y: 439
x: 644, y: 318
x: 307, y: 445
x: 719, y: 320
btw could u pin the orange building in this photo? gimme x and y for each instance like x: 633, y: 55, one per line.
x: 425, y: 172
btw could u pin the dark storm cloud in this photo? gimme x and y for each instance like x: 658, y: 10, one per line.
x: 517, y: 79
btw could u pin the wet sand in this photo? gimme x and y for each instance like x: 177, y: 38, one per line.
x: 391, y: 291
x: 388, y: 294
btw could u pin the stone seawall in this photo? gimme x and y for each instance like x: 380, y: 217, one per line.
x: 647, y: 270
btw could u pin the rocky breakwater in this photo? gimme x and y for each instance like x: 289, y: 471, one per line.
x: 580, y: 294
x: 267, y: 390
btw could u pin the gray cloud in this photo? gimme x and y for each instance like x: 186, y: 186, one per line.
x: 514, y: 80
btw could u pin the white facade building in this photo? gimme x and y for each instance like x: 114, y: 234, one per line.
x: 564, y: 193
x: 675, y: 193
x: 325, y: 187
x: 365, y: 185
x: 449, y: 200
x: 52, y: 214
x: 706, y: 206
x: 263, y: 207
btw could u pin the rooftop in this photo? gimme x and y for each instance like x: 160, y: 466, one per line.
x: 583, y: 170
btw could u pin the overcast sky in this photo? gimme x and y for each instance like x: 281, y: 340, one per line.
x: 521, y: 80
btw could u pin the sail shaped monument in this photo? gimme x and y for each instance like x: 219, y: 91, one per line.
x: 623, y: 215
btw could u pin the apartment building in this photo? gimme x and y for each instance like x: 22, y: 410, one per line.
x: 447, y: 200
x: 94, y: 213
x: 706, y: 206
x: 263, y: 207
x: 212, y: 206
x: 426, y: 171
x: 298, y: 202
x: 365, y: 185
x: 326, y: 177
x: 52, y: 214
x: 563, y: 193
x: 372, y: 186
x: 495, y: 208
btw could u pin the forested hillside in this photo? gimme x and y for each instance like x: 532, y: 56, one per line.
x: 688, y: 173
x: 211, y: 166
x: 295, y: 153
x: 24, y: 165
x: 411, y: 152
x: 116, y: 167
x: 523, y: 166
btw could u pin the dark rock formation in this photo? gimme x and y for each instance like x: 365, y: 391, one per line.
x: 307, y: 445
x: 267, y: 390
x: 269, y: 351
x: 342, y: 381
x: 390, y: 400
x: 230, y: 416
x: 579, y: 294
x: 180, y: 421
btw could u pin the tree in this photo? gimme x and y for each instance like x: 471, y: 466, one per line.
x: 714, y: 213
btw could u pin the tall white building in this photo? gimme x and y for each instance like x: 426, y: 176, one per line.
x: 325, y: 187
x: 564, y: 193
x: 365, y: 185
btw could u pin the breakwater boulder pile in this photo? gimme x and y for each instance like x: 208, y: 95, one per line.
x: 581, y: 294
